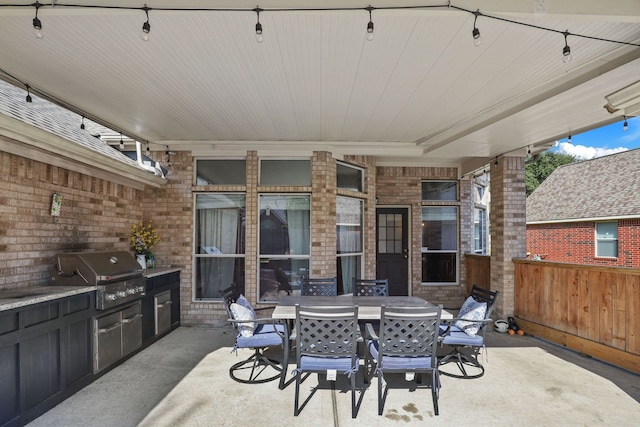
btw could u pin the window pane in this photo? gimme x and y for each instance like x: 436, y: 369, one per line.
x: 389, y: 233
x: 213, y: 274
x: 348, y: 225
x: 439, y: 267
x: 348, y: 268
x: 285, y: 172
x: 608, y: 248
x: 348, y: 177
x: 221, y: 172
x: 279, y: 276
x: 440, y: 228
x: 220, y: 224
x: 439, y: 190
x: 285, y: 224
x: 607, y: 230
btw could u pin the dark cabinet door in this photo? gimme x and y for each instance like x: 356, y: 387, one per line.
x: 9, y: 384
x: 40, y: 368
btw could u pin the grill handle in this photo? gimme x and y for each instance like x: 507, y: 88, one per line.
x: 116, y: 277
x: 165, y: 303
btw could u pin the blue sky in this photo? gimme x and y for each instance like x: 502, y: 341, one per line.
x: 602, y: 141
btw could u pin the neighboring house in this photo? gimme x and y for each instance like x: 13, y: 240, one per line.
x: 588, y: 213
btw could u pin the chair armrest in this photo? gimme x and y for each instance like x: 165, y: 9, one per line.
x: 451, y: 322
x: 271, y: 307
x: 371, y: 333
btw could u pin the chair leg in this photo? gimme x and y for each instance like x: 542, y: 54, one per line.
x: 380, y: 397
x: 353, y: 395
x: 435, y: 390
x: 257, y: 363
x: 296, y: 407
x: 461, y: 359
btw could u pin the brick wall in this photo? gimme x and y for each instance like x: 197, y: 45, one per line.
x: 96, y: 214
x: 576, y: 243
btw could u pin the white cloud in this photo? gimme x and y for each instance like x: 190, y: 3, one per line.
x: 584, y: 153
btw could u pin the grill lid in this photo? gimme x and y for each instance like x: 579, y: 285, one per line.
x: 80, y: 268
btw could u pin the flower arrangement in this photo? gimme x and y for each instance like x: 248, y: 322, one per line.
x: 143, y: 237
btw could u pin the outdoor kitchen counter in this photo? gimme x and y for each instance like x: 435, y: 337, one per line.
x: 21, y: 297
x: 158, y: 271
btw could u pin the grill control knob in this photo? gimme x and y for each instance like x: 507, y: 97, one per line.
x: 131, y: 291
x: 110, y: 297
x: 140, y: 289
x: 121, y: 294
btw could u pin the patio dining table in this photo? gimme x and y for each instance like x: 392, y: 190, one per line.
x: 368, y: 307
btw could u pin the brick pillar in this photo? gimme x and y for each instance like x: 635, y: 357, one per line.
x: 323, y: 215
x: 508, y: 228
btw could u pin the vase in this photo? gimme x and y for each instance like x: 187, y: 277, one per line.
x: 142, y: 260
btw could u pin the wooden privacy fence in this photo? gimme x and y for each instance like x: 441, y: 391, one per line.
x: 478, y: 271
x: 593, y: 310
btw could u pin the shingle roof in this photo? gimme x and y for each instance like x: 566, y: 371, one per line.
x: 605, y: 187
x: 54, y: 119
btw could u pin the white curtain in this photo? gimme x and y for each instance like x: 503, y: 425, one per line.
x: 218, y: 235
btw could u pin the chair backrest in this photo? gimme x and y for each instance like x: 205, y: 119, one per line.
x: 370, y: 287
x: 485, y: 295
x: 327, y: 332
x: 229, y: 296
x: 409, y: 332
x: 319, y: 287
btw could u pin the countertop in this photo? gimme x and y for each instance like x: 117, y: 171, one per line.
x: 16, y: 298
x: 21, y: 297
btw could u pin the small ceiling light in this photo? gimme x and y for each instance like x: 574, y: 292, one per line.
x: 625, y: 125
x: 477, y: 40
x: 147, y: 151
x: 259, y: 37
x: 168, y: 157
x: 566, y: 50
x: 528, y: 150
x: 37, y: 25
x: 82, y: 124
x: 146, y: 27
x: 370, y: 24
x: 121, y: 143
x: 29, y: 100
x: 569, y: 139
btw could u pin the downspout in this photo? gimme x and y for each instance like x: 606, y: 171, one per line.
x: 157, y: 170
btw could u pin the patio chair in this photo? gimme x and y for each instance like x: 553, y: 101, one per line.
x: 326, y: 343
x: 319, y: 287
x: 466, y: 333
x: 370, y: 287
x: 406, y: 343
x: 256, y: 334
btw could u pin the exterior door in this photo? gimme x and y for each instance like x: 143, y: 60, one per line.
x: 392, y: 248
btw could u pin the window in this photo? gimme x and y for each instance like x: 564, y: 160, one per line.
x: 285, y: 243
x: 285, y: 172
x: 349, y: 215
x: 349, y: 177
x: 480, y: 231
x: 607, y: 239
x: 221, y: 172
x: 439, y: 244
x: 440, y: 190
x: 219, y: 243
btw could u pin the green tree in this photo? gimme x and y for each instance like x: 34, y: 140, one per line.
x: 538, y: 169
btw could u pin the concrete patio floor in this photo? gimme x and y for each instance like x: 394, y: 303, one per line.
x: 183, y: 380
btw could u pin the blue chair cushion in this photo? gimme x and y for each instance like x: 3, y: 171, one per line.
x: 311, y: 363
x: 264, y: 335
x: 471, y: 310
x: 401, y: 363
x: 456, y: 336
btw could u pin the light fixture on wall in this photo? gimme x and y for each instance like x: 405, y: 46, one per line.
x: 259, y: 37
x: 566, y: 50
x: 370, y: 24
x: 37, y: 24
x: 477, y: 40
x: 146, y: 27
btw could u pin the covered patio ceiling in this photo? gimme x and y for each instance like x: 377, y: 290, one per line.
x: 420, y: 93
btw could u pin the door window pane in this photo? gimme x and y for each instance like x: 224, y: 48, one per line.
x: 390, y: 233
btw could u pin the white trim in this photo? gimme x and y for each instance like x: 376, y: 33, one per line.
x: 591, y: 219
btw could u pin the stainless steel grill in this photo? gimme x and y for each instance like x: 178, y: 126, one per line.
x: 116, y: 274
